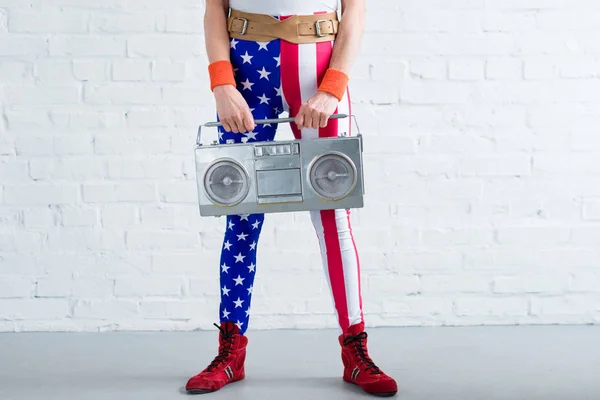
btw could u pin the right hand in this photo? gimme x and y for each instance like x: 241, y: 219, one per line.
x: 233, y: 109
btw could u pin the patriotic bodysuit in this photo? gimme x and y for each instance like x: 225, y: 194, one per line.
x: 276, y: 77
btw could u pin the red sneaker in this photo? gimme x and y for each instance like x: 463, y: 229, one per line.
x: 359, y: 369
x: 227, y: 366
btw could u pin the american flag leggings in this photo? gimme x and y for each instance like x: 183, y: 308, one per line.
x: 274, y: 77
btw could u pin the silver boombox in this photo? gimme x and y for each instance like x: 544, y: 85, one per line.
x: 279, y: 176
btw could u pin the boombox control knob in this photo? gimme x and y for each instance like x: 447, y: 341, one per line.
x: 214, y: 143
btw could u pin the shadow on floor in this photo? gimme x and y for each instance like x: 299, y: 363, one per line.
x: 317, y: 382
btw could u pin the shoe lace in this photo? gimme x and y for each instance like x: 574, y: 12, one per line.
x: 225, y: 345
x: 358, y: 343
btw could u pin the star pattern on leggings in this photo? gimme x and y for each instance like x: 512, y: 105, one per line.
x: 238, y: 266
x: 258, y: 78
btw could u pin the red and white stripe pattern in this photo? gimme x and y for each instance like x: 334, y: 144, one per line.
x: 302, y: 69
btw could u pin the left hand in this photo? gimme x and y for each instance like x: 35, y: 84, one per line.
x: 316, y: 111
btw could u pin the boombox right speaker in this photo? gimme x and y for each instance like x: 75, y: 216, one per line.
x: 280, y: 176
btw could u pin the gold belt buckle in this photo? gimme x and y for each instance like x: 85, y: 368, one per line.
x: 244, y: 27
x: 318, y: 28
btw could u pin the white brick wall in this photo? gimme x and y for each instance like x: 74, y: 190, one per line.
x: 482, y: 164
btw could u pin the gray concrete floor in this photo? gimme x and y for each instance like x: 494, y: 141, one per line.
x: 491, y: 363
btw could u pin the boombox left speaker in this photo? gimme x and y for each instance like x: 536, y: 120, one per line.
x: 279, y: 176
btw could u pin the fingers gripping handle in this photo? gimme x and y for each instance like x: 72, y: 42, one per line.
x: 259, y: 122
x: 274, y: 120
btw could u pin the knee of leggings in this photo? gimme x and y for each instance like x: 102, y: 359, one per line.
x: 331, y: 220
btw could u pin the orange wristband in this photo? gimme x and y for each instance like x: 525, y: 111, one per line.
x: 334, y: 82
x: 220, y: 73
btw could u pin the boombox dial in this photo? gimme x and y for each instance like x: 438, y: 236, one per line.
x: 226, y: 183
x: 332, y: 176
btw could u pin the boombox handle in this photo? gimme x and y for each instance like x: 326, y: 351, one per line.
x: 268, y: 121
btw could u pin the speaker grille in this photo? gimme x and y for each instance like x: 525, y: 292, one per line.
x: 226, y: 183
x: 333, y: 176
